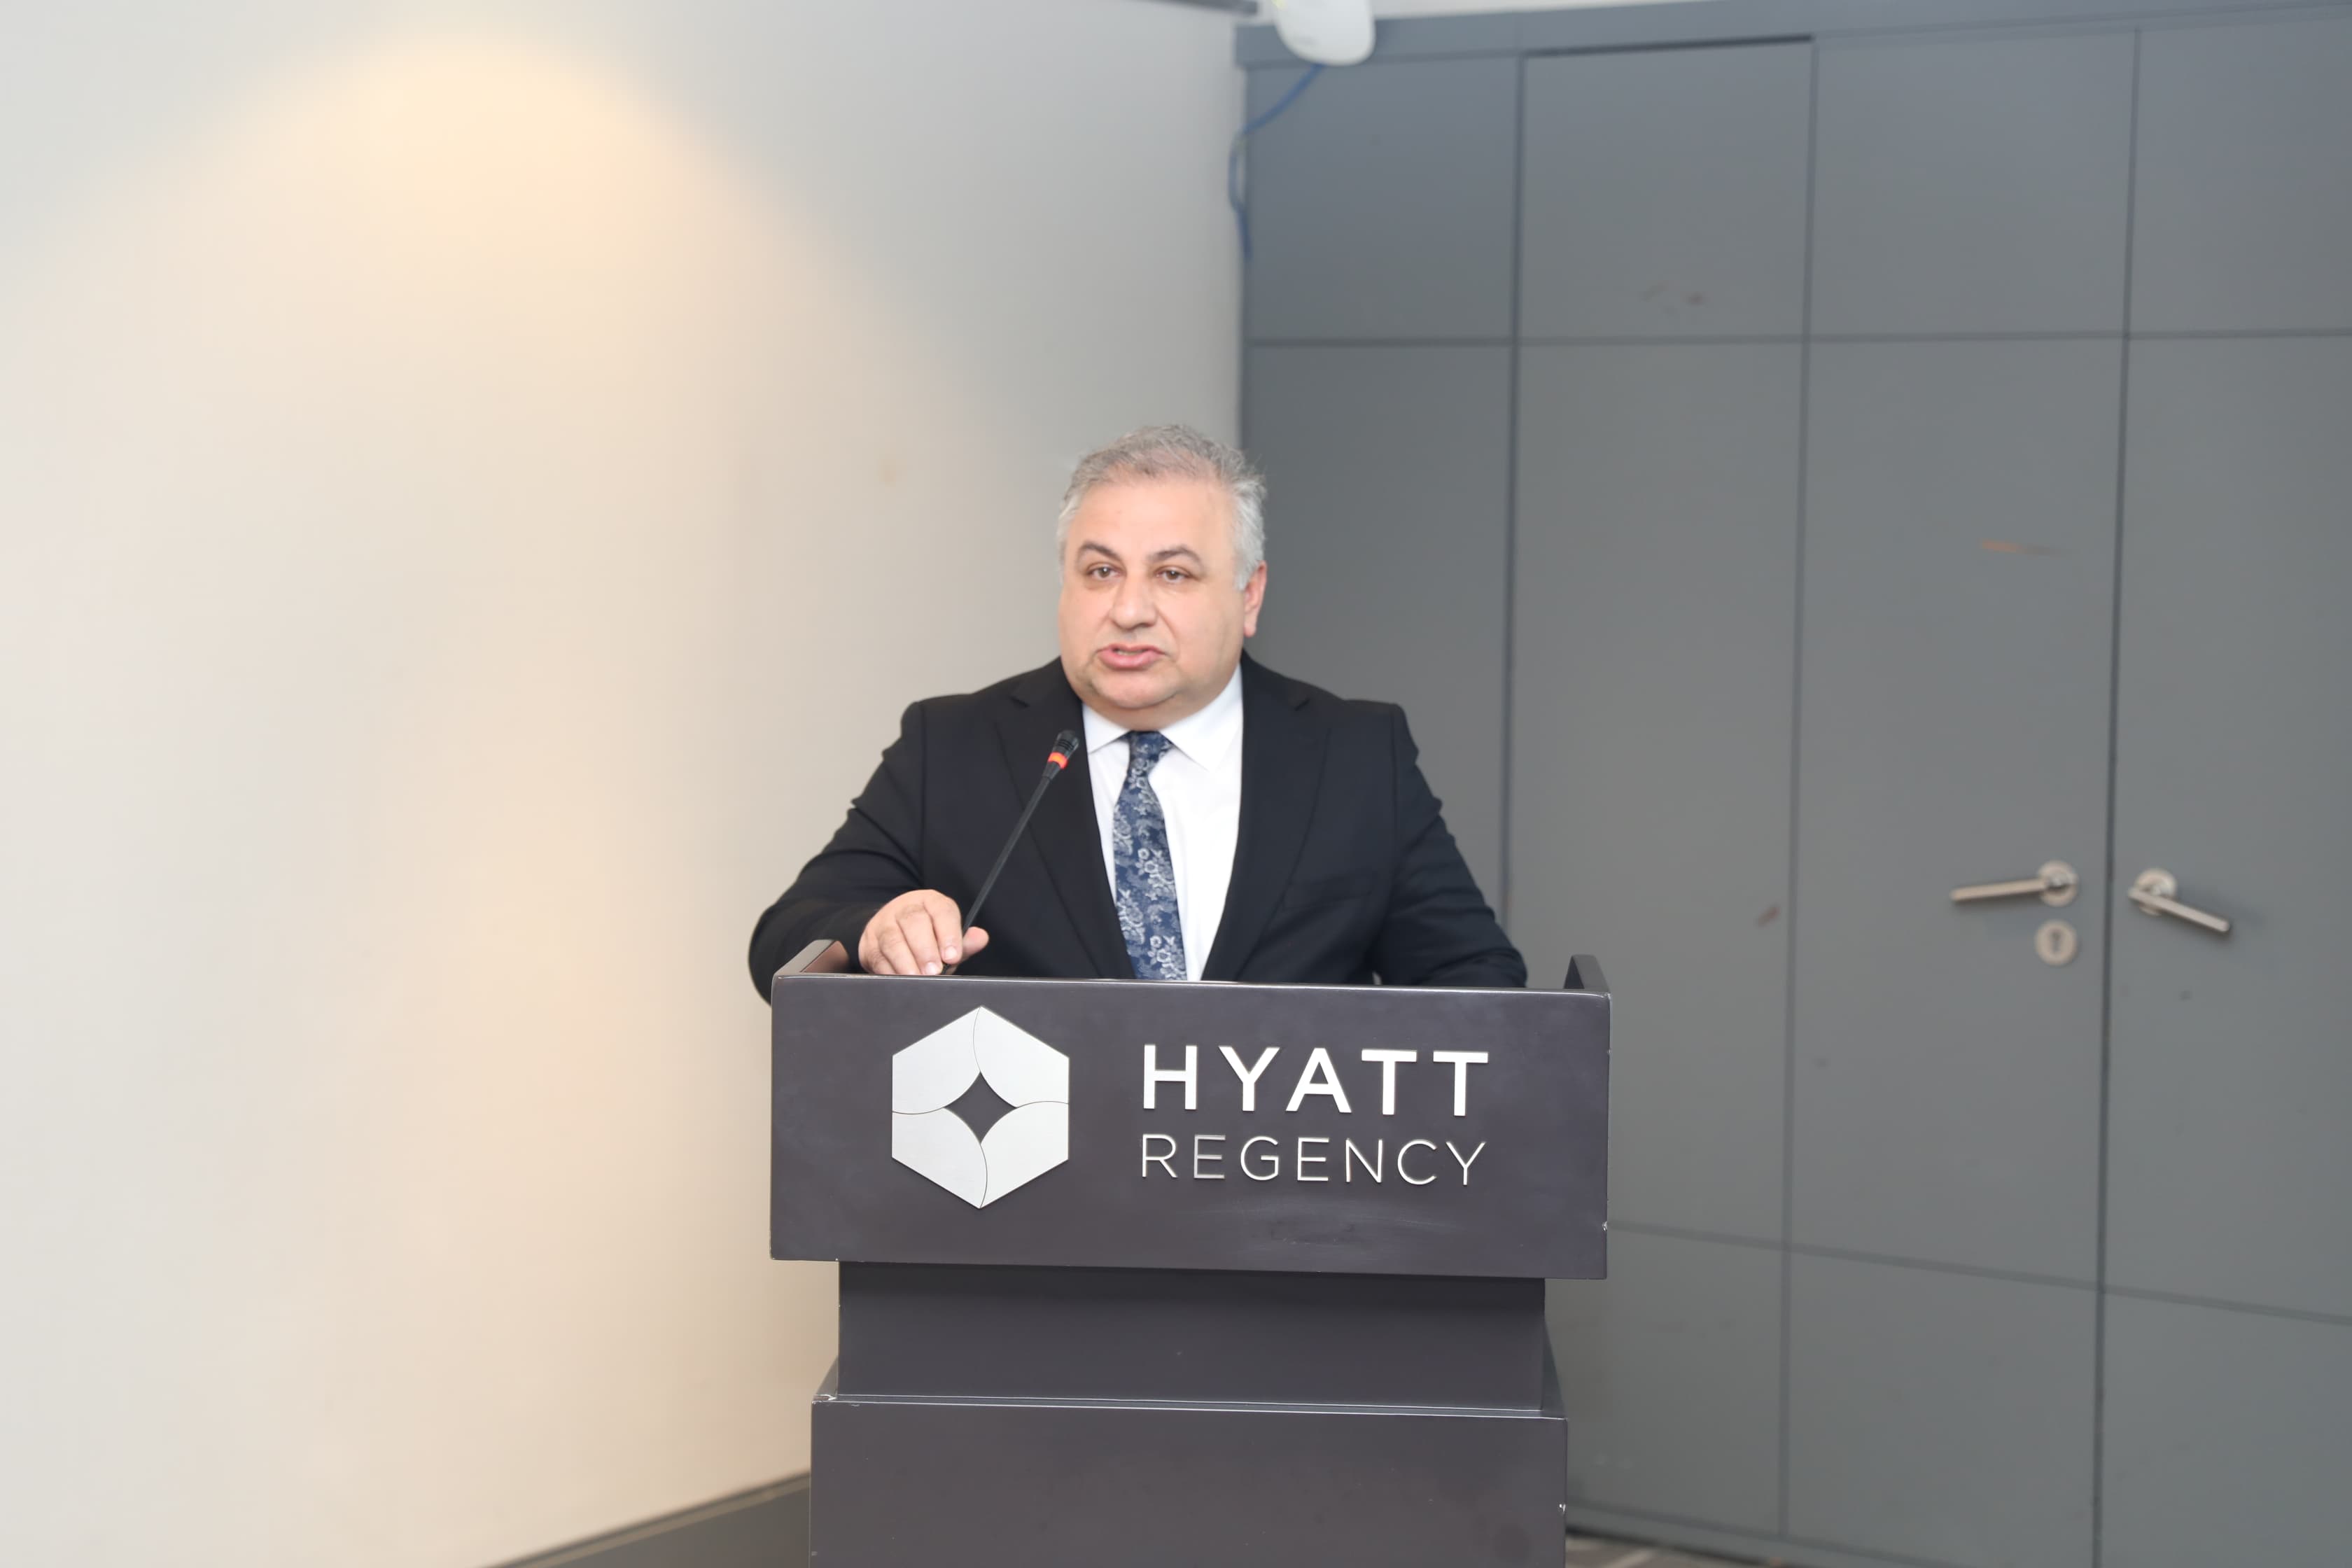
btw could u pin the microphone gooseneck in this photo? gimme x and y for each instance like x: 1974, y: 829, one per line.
x: 1065, y: 746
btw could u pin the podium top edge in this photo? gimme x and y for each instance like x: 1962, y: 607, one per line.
x: 829, y: 960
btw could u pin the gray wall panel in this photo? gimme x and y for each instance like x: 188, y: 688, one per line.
x: 1959, y: 554
x: 1382, y: 203
x: 2229, y: 1438
x: 1940, y: 1416
x: 1975, y: 186
x: 1959, y: 543
x: 1666, y: 194
x: 1655, y: 626
x: 2244, y: 215
x: 1387, y: 473
x: 1670, y: 1370
x: 2230, y: 1159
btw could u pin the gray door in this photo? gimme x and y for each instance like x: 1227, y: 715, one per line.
x: 2229, y: 1156
x: 2230, y: 1161
x: 1955, y: 681
x: 1959, y: 561
x: 2229, y: 1342
x: 1958, y: 570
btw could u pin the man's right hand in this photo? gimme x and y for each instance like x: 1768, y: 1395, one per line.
x: 916, y: 933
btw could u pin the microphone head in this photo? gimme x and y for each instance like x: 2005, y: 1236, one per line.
x: 1065, y: 746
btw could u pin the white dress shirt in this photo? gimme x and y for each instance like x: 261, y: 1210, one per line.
x: 1199, y: 784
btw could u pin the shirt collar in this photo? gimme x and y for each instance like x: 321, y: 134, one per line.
x: 1207, y: 737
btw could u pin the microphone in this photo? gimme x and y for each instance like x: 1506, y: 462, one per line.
x: 1065, y: 746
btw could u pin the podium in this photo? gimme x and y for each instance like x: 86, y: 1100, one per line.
x: 1195, y: 1274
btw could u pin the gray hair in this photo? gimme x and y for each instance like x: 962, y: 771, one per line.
x: 1176, y: 452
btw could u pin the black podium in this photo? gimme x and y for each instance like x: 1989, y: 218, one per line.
x: 1188, y: 1273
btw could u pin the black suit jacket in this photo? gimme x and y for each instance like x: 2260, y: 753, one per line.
x: 1344, y: 872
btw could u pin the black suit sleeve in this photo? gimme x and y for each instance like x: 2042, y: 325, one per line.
x: 1438, y: 930
x: 875, y: 856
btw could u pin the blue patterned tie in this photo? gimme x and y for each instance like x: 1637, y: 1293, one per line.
x: 1145, y: 885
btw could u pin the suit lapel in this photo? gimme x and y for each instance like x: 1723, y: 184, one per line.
x: 1064, y: 830
x: 1282, y: 770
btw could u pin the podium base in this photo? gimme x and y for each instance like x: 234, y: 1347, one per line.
x: 907, y: 1481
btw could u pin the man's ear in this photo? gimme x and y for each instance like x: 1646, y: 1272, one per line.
x: 1252, y: 598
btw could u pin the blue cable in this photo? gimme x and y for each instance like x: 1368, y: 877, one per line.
x: 1234, y: 158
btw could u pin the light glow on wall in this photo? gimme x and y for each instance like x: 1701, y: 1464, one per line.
x: 466, y: 524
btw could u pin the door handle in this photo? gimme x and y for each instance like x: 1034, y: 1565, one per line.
x: 2153, y: 892
x: 2055, y: 884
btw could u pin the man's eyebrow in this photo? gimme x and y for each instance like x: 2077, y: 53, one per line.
x: 1171, y: 553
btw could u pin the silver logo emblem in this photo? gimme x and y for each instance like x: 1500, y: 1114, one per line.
x: 930, y: 1137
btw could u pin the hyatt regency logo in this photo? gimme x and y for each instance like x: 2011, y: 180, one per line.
x: 980, y: 1107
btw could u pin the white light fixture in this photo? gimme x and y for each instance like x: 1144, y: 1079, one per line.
x: 1328, y: 32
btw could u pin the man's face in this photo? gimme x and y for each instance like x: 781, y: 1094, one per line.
x: 1151, y: 623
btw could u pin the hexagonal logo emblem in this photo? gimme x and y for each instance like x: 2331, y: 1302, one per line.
x: 980, y: 1070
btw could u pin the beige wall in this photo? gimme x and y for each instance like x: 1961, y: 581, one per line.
x: 476, y: 485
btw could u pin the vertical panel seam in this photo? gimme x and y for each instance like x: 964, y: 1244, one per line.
x: 1796, y: 735
x: 2107, y: 884
x: 1511, y: 493
x: 1243, y: 340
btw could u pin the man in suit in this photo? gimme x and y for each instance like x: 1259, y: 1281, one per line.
x: 1221, y: 822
